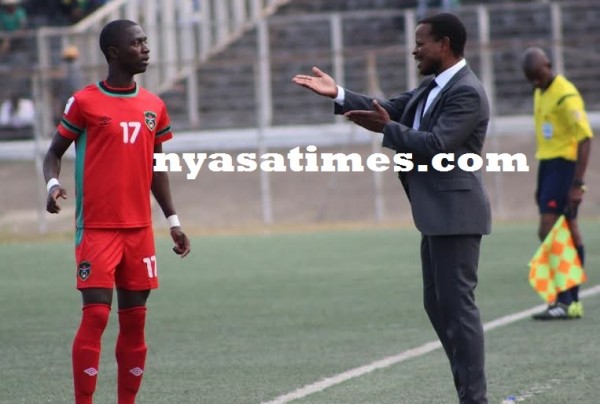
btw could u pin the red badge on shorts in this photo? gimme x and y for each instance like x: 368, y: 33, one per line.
x: 83, y: 270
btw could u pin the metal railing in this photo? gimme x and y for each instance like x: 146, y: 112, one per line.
x: 367, y: 51
x: 187, y: 36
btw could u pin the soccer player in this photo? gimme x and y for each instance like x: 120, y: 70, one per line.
x: 116, y: 126
x: 563, y: 136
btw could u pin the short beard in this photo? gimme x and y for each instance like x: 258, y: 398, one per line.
x: 435, y: 69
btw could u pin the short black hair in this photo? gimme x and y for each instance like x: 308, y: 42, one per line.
x: 534, y: 57
x: 446, y: 24
x: 112, y: 33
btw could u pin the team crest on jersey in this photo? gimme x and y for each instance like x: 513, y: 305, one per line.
x: 83, y: 270
x: 150, y: 119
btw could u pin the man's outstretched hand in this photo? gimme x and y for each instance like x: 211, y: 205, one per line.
x: 321, y: 83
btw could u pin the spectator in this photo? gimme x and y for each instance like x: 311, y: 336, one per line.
x: 76, y: 10
x: 17, y: 112
x: 13, y: 19
x: 71, y: 80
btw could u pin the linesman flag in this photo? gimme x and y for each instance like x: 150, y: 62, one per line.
x: 555, y: 266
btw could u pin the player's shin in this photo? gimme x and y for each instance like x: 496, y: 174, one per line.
x: 130, y: 352
x: 86, y: 351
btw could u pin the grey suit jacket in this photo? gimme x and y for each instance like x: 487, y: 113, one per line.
x: 443, y: 203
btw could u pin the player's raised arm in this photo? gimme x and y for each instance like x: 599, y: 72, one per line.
x: 51, y: 167
x: 162, y: 193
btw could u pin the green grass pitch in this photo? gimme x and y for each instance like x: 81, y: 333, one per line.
x: 245, y: 319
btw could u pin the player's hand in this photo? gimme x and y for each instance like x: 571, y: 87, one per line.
x: 371, y: 120
x: 182, y: 243
x: 55, y: 192
x: 321, y: 83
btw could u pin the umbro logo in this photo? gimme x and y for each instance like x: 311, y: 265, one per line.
x: 136, y: 372
x: 90, y: 372
x: 104, y: 120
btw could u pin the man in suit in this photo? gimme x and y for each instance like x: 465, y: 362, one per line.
x: 447, y: 113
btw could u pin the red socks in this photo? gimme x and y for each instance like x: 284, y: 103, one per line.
x: 130, y: 352
x: 86, y: 351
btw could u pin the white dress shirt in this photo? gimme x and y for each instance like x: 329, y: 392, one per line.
x: 441, y: 80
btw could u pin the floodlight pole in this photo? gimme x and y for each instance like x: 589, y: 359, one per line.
x: 264, y: 102
x: 337, y: 48
x: 409, y: 35
x: 38, y: 150
x: 487, y: 77
x: 374, y: 89
x: 557, y: 38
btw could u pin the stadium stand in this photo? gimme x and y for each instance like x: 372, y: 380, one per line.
x: 227, y: 91
x: 300, y: 36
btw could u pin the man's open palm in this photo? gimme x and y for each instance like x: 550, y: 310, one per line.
x: 321, y: 83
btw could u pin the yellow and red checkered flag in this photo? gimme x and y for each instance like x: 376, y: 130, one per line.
x: 555, y: 266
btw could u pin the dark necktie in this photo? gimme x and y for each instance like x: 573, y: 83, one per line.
x: 425, y: 94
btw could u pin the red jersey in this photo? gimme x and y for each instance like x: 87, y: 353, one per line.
x: 115, y: 131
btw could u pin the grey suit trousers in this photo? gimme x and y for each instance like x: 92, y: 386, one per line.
x: 449, y: 280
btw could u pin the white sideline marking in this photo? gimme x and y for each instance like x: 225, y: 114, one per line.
x: 403, y: 356
x: 532, y: 391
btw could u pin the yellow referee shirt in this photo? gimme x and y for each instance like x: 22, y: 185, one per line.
x: 560, y: 120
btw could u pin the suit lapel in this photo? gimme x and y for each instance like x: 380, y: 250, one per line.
x: 418, y: 94
x: 461, y: 73
x: 411, y: 106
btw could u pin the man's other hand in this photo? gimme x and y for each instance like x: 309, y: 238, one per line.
x: 371, y: 120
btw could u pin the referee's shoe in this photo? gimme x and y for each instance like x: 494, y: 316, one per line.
x: 560, y: 311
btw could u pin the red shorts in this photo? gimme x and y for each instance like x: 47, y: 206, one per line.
x: 124, y: 258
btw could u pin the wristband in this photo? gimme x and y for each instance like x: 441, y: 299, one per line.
x: 51, y: 182
x: 173, y: 221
